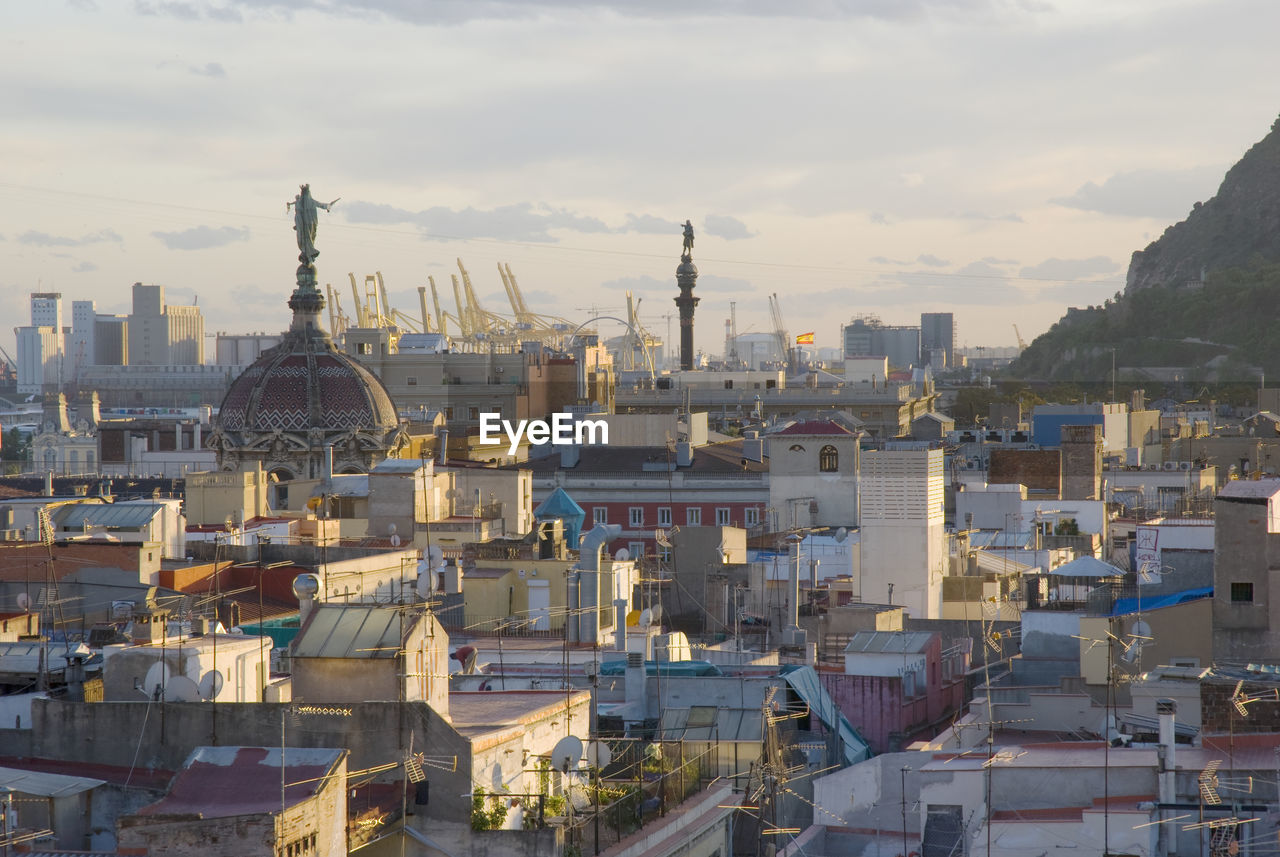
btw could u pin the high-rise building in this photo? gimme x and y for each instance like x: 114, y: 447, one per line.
x: 904, y: 550
x: 865, y: 336
x: 161, y: 334
x: 42, y: 346
x: 110, y: 340
x: 938, y: 333
x: 80, y: 347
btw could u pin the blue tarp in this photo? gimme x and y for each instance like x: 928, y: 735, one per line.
x: 675, y: 668
x: 1155, y: 602
x: 804, y: 681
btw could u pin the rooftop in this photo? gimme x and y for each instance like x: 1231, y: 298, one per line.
x: 221, y: 782
x: 885, y: 642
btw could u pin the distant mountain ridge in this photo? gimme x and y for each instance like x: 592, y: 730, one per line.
x: 1240, y: 222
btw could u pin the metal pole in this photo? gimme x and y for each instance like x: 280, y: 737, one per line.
x: 905, y: 768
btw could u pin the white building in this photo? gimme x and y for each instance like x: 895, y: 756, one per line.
x: 81, y: 346
x: 904, y: 551
x: 813, y: 474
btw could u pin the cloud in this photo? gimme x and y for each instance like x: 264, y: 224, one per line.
x: 992, y: 260
x: 649, y: 225
x: 884, y: 260
x: 1070, y: 269
x: 1161, y: 194
x: 878, y: 217
x: 518, y: 222
x: 44, y: 239
x: 209, y: 69
x: 84, y: 268
x: 650, y: 286
x: 978, y: 215
x: 982, y: 268
x: 202, y: 237
x: 932, y: 261
x: 729, y: 228
x: 457, y: 11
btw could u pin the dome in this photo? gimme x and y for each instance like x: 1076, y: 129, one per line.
x: 305, y: 409
x: 306, y: 383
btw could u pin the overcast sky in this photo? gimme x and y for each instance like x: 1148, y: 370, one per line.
x: 1000, y: 159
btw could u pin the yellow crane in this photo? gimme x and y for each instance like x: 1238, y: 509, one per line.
x: 1022, y: 343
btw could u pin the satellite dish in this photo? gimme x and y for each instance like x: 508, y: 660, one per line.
x: 622, y: 555
x: 656, y: 613
x: 598, y: 754
x: 181, y: 689
x: 24, y: 601
x: 1140, y: 629
x: 646, y: 618
x: 435, y: 554
x: 157, y: 677
x: 395, y: 540
x: 566, y: 754
x: 841, y: 535
x: 426, y: 585
x: 720, y: 552
x: 210, y: 685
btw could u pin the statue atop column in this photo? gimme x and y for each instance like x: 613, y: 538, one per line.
x: 688, y: 241
x: 305, y: 217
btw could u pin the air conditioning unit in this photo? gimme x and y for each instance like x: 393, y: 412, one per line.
x: 1171, y: 465
x: 1153, y: 466
x: 1185, y: 465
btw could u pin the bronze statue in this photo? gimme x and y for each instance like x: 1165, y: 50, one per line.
x: 304, y: 222
x: 688, y: 238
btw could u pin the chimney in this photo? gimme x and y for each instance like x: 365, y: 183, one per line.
x: 635, y: 683
x: 570, y: 454
x: 684, y: 454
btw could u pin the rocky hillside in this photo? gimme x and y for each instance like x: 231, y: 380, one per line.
x: 1240, y: 222
x: 1205, y: 295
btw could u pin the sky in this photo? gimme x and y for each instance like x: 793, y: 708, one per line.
x: 998, y: 159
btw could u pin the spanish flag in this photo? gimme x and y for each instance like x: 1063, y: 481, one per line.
x: 805, y: 339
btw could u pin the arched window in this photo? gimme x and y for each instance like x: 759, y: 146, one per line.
x: 828, y: 460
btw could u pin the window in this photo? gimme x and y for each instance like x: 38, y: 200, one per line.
x: 364, y: 348
x: 828, y: 459
x: 473, y: 413
x: 722, y: 516
x: 1241, y: 592
x: 636, y: 549
x: 664, y: 516
x: 693, y: 517
x: 412, y: 380
x: 664, y: 553
x: 636, y: 516
x: 600, y: 514
x: 448, y: 412
x: 751, y: 516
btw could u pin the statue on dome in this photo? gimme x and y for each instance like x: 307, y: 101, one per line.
x: 305, y: 217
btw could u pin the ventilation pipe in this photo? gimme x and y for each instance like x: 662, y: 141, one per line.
x: 635, y: 684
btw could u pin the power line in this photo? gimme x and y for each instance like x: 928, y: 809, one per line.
x: 422, y: 233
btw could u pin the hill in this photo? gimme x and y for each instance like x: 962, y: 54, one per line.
x: 1205, y: 295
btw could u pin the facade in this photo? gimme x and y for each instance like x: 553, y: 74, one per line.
x: 39, y: 359
x: 241, y: 349
x: 1246, y: 553
x: 358, y: 652
x: 866, y: 337
x: 234, y: 802
x: 644, y: 488
x: 163, y: 334
x: 898, y: 686
x: 813, y: 474
x: 904, y: 551
x: 82, y: 344
x: 110, y: 340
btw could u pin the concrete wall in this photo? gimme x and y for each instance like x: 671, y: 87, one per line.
x: 1038, y: 469
x: 1244, y: 552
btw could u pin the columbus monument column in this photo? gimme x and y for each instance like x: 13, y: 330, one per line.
x: 687, y: 278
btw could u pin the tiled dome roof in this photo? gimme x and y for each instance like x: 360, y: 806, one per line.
x: 305, y: 383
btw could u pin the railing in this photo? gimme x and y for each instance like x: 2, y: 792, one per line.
x: 634, y: 789
x: 504, y: 626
